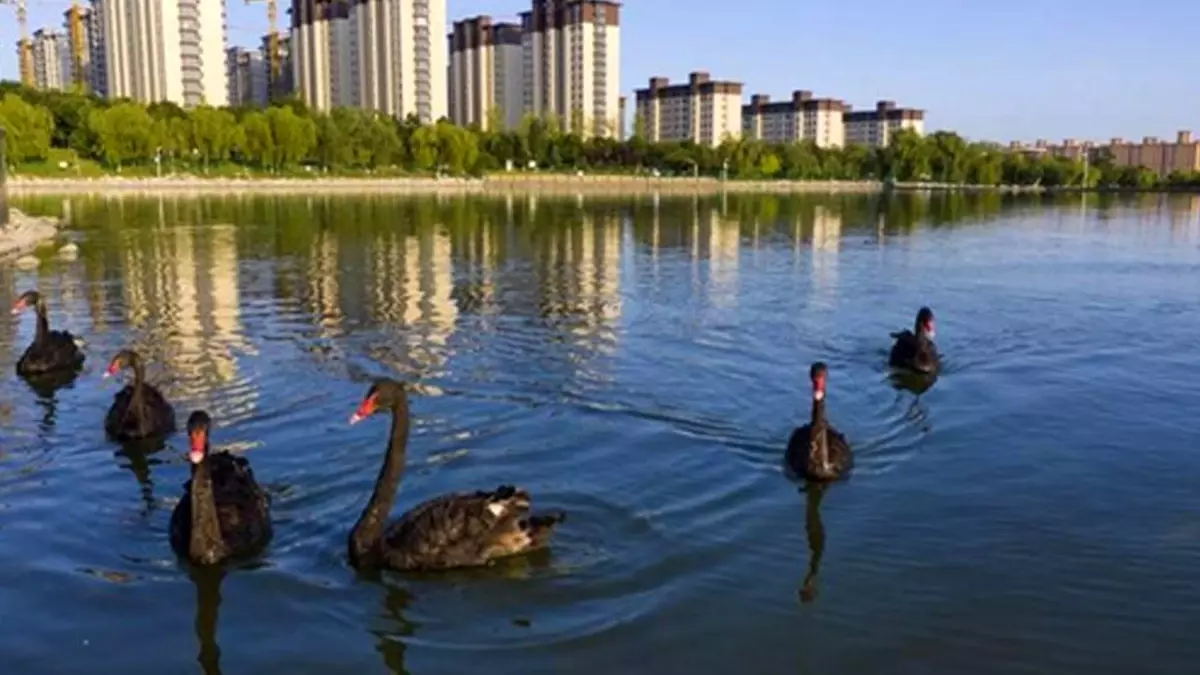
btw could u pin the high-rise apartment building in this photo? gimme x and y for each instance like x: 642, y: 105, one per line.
x: 164, y: 50
x: 322, y: 53
x: 703, y: 111
x: 51, y: 60
x: 97, y: 52
x: 874, y: 128
x: 820, y: 120
x: 401, y: 61
x: 280, y: 83
x: 78, y: 22
x: 486, y: 73
x: 572, y: 56
x: 384, y: 55
x: 247, y: 77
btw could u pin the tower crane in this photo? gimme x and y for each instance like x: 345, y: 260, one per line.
x: 273, y: 55
x: 24, y: 46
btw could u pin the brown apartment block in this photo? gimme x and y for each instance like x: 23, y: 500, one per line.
x: 874, y: 128
x: 1161, y: 157
x: 571, y: 52
x: 800, y: 118
x: 703, y: 111
x: 485, y: 73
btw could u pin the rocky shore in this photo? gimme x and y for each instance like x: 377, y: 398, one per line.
x: 24, y: 233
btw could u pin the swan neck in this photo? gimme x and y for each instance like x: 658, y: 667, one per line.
x: 43, y: 323
x: 139, y: 376
x: 370, y: 525
x: 818, y: 440
x: 205, y: 544
x: 818, y: 411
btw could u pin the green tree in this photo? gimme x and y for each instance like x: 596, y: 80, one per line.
x: 214, y: 133
x: 289, y: 133
x: 383, y: 142
x: 28, y: 128
x: 423, y: 147
x: 294, y: 136
x: 332, y: 149
x: 125, y: 133
x: 907, y: 157
x: 457, y: 149
x: 495, y: 122
x: 258, y: 143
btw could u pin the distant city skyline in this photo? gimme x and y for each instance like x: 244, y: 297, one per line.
x: 1023, y: 71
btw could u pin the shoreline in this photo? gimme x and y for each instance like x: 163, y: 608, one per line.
x: 506, y: 184
x: 451, y: 186
x: 563, y: 184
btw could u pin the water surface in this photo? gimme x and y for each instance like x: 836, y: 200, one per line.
x: 638, y: 363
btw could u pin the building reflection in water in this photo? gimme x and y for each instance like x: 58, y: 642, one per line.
x: 323, y: 284
x: 410, y: 284
x: 181, y: 297
x: 476, y: 251
x: 579, y: 266
x: 1184, y: 212
x: 826, y: 242
x: 717, y: 240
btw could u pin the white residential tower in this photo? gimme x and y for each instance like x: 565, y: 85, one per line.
x: 164, y: 50
x: 486, y: 73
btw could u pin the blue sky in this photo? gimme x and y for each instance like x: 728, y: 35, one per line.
x: 1019, y: 69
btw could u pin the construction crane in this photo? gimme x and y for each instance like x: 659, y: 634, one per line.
x: 24, y: 46
x: 273, y: 55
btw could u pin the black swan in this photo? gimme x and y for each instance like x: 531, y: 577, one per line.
x: 816, y: 450
x: 51, y: 351
x: 914, y: 349
x: 455, y: 530
x: 223, y: 512
x: 139, y: 410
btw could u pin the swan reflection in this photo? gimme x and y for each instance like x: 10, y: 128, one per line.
x: 814, y: 528
x: 138, y: 457
x: 208, y: 604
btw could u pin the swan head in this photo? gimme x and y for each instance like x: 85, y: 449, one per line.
x: 925, y: 322
x: 25, y: 301
x: 197, y: 428
x: 817, y: 373
x: 123, y: 359
x: 384, y: 394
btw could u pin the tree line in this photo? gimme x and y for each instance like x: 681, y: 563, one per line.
x: 288, y: 137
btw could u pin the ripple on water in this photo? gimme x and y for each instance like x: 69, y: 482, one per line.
x: 642, y: 371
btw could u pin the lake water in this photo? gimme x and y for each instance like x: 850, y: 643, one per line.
x: 640, y: 364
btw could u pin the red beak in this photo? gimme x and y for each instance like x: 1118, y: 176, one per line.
x: 198, y: 438
x: 18, y: 307
x: 365, y: 410
x: 112, y: 370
